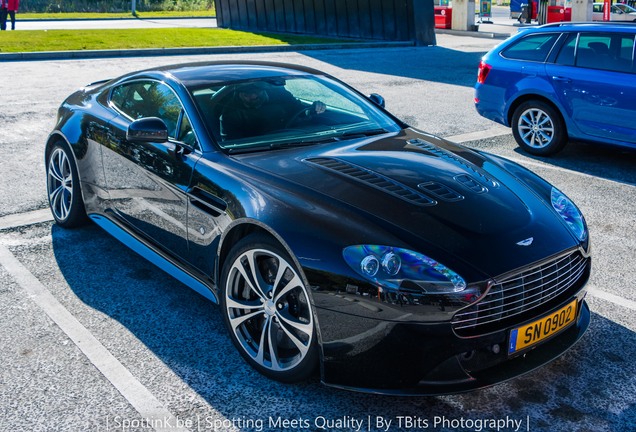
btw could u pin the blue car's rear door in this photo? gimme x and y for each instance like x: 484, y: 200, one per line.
x: 594, y: 80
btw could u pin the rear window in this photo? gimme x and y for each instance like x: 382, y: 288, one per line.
x: 534, y: 47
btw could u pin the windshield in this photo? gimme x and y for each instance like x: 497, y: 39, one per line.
x: 287, y: 111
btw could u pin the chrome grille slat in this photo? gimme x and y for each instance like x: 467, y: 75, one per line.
x: 578, y: 272
x: 525, y: 275
x: 522, y: 292
x: 524, y: 305
x: 513, y: 311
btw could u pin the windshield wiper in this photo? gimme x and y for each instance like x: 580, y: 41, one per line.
x: 328, y: 139
x: 302, y: 143
x: 363, y: 133
x: 307, y: 141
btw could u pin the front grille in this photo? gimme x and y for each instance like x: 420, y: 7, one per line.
x: 521, y: 293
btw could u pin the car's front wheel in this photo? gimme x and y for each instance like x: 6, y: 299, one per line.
x: 63, y: 187
x: 538, y: 128
x: 267, y: 310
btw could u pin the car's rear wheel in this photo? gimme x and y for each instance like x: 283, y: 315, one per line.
x: 538, y: 128
x: 267, y: 310
x: 63, y: 187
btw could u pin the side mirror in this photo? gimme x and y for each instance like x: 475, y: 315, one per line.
x: 148, y: 129
x: 377, y: 99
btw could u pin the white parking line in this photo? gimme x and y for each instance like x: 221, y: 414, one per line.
x: 474, y: 136
x: 612, y: 298
x: 147, y: 405
x: 24, y: 219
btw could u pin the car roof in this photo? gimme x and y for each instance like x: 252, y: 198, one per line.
x: 590, y: 26
x: 206, y: 73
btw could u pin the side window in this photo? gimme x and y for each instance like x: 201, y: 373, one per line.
x: 613, y: 52
x: 626, y: 53
x: 566, y: 54
x: 151, y: 99
x: 127, y: 99
x: 531, y: 48
x: 186, y: 134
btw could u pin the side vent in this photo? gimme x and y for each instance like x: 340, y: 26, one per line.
x: 441, y: 191
x: 373, y: 179
x: 206, y: 201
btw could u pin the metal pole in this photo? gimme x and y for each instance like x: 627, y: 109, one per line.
x: 133, y: 7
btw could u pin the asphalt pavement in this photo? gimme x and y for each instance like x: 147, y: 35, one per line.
x: 94, y: 338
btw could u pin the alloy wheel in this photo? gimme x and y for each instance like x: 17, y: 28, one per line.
x: 268, y: 310
x: 536, y: 128
x: 60, y: 184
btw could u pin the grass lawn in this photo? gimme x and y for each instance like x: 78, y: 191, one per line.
x: 71, y: 40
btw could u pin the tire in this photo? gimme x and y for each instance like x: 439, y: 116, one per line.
x: 538, y: 128
x: 267, y: 310
x: 63, y: 187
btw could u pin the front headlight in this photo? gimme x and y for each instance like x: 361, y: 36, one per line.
x: 570, y: 213
x: 391, y: 267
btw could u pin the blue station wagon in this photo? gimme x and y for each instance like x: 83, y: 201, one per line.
x: 561, y: 82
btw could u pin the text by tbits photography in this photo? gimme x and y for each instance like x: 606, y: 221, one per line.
x: 369, y: 423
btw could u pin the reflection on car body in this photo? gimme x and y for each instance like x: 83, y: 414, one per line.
x: 336, y: 238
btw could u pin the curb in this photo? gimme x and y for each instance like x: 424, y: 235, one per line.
x: 153, y: 52
x: 477, y: 34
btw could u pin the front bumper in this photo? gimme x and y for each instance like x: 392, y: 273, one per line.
x: 429, y: 359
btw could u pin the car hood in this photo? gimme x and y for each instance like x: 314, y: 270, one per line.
x: 443, y: 199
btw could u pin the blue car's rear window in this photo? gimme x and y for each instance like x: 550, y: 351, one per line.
x: 534, y: 47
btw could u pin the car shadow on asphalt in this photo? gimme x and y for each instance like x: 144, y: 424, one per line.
x: 599, y: 160
x: 148, y: 311
x: 435, y: 63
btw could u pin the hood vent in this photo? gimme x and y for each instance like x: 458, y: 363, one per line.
x: 470, y: 183
x: 445, y: 154
x: 440, y: 191
x: 374, y: 179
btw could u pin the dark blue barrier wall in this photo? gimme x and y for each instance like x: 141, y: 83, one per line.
x: 393, y: 20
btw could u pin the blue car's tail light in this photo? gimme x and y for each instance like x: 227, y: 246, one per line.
x: 484, y: 70
x: 570, y: 213
x: 390, y: 267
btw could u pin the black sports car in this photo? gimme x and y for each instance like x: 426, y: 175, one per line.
x: 333, y: 236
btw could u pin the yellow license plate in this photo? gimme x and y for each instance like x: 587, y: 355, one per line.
x: 530, y: 334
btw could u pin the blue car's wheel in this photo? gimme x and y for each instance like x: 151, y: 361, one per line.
x: 267, y: 310
x: 538, y: 128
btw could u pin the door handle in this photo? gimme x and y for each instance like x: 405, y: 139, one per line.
x: 561, y: 79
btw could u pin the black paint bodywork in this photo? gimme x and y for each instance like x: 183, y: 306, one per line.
x: 190, y: 203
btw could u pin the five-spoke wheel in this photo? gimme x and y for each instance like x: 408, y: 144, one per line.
x: 267, y: 310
